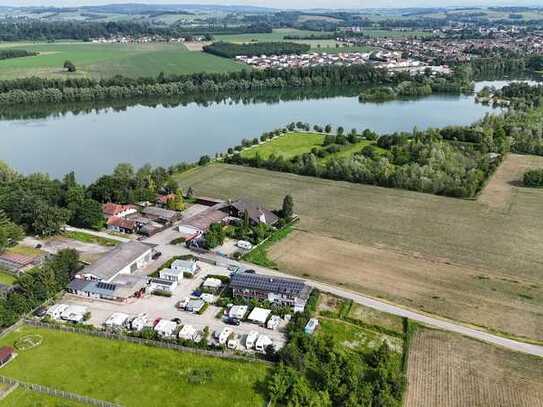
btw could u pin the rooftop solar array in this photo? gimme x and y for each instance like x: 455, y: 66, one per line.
x: 267, y: 283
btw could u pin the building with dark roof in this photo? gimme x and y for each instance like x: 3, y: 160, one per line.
x: 161, y: 215
x: 282, y: 291
x: 257, y: 214
x: 121, y: 288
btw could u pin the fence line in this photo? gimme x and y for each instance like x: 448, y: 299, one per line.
x: 148, y: 342
x: 38, y: 388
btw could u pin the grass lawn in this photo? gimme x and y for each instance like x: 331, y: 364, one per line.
x: 288, y: 145
x: 25, y: 250
x: 25, y: 398
x: 6, y: 278
x: 354, y: 337
x: 88, y: 238
x: 135, y: 375
x: 106, y: 60
x: 259, y: 255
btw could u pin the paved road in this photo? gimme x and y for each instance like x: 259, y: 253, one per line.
x: 431, y: 321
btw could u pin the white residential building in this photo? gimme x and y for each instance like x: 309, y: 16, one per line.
x: 188, y: 332
x: 171, y: 274
x: 185, y: 266
x: 259, y: 315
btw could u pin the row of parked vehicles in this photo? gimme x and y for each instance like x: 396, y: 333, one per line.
x: 251, y: 341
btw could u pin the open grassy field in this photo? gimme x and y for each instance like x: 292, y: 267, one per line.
x: 6, y: 278
x: 24, y: 398
x: 288, y: 145
x: 134, y: 375
x: 449, y: 370
x: 360, y: 331
x: 106, y: 60
x: 293, y: 144
x: 457, y: 258
x: 88, y: 238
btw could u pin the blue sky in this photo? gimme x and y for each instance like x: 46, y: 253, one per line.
x: 290, y: 3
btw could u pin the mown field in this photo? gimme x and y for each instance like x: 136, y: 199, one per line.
x: 134, y: 375
x: 295, y: 143
x: 449, y: 370
x: 106, y: 60
x: 458, y: 258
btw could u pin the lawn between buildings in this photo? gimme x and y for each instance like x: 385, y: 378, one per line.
x: 26, y: 398
x: 88, y: 238
x: 107, y: 60
x: 135, y: 375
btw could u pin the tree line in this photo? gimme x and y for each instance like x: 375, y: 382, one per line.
x: 16, y: 53
x: 231, y: 50
x: 421, y: 161
x: 12, y: 29
x: 37, y: 90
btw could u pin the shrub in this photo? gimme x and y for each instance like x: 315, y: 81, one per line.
x: 533, y: 178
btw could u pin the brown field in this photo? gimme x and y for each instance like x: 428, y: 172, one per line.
x: 462, y: 259
x: 501, y: 188
x: 449, y: 370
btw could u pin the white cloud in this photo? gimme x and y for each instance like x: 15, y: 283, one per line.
x: 286, y: 3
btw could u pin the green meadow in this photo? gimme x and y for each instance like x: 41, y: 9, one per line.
x: 107, y: 60
x: 135, y: 375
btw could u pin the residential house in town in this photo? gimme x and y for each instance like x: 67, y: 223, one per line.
x: 282, y: 291
x: 112, y: 209
x: 257, y: 214
x: 121, y: 225
x: 165, y: 328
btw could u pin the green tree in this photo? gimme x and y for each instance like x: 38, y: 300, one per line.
x: 215, y: 236
x: 287, y: 210
x: 49, y: 220
x: 69, y: 66
x: 10, y: 233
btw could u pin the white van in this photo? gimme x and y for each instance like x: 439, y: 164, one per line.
x: 233, y: 342
x: 224, y: 335
x: 262, y: 343
x: 251, y: 339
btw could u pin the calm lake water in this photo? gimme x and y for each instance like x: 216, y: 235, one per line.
x: 93, y: 142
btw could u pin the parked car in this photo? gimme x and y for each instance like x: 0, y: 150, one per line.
x: 249, y: 271
x: 157, y: 255
x: 233, y: 268
x: 233, y: 321
x: 176, y: 320
x: 242, y: 244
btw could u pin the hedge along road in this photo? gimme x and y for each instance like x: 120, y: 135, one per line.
x: 431, y: 321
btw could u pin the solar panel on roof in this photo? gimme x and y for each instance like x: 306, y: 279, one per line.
x: 106, y: 286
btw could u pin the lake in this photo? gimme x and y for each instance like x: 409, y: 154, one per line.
x: 93, y: 141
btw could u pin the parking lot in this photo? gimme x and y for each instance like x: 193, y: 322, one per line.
x: 156, y: 307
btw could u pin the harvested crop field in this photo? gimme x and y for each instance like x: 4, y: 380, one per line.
x: 457, y: 258
x: 449, y: 370
x: 500, y: 190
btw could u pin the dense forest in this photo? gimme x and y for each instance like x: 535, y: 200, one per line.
x: 231, y: 50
